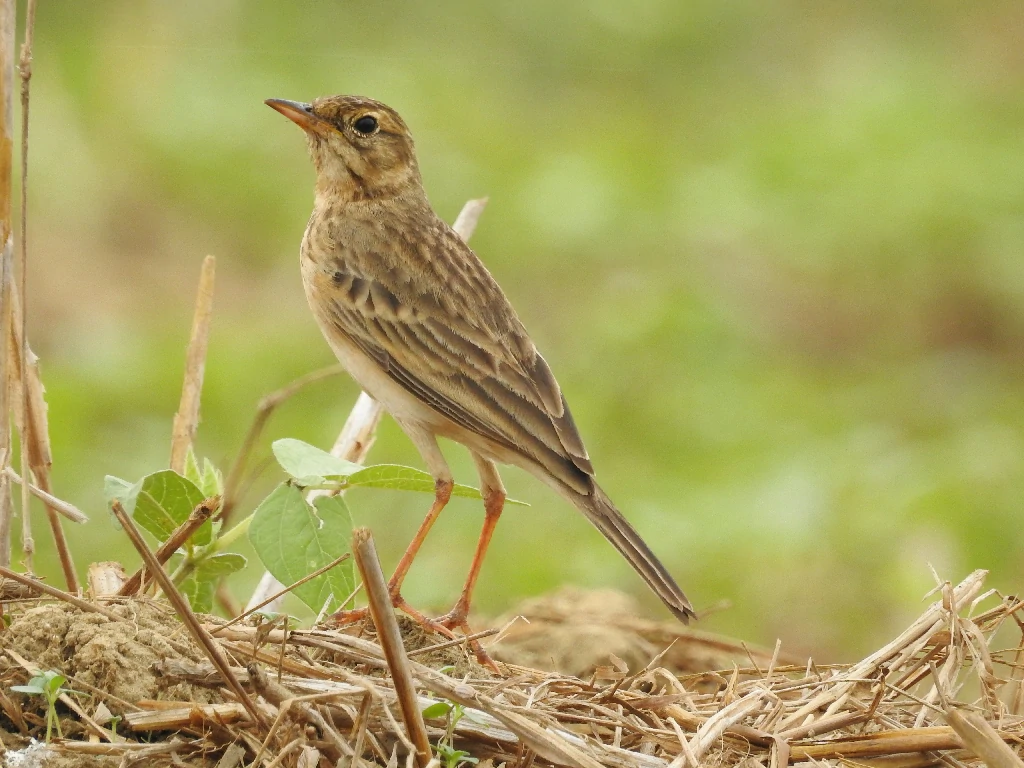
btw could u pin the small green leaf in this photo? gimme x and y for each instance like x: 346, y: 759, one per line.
x: 201, y: 584
x: 440, y: 709
x: 294, y: 538
x: 34, y: 690
x: 307, y: 462
x: 116, y: 488
x: 213, y: 480
x: 53, y: 683
x: 162, y: 501
x: 192, y: 471
x: 401, y: 478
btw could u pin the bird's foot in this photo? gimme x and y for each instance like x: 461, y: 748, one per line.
x: 457, y: 618
x: 444, y: 625
x: 356, y: 615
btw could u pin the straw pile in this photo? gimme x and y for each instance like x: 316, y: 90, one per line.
x: 938, y: 693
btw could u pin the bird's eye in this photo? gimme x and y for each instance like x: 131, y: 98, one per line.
x: 366, y: 124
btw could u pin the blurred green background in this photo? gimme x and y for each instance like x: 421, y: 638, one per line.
x: 773, y: 252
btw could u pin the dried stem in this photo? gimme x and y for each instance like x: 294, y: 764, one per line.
x: 277, y: 595
x: 390, y: 640
x: 186, y: 420
x: 188, y: 618
x: 6, y: 501
x: 74, y: 600
x: 25, y: 71
x: 66, y: 508
x: 264, y: 410
x: 7, y: 371
x: 203, y: 511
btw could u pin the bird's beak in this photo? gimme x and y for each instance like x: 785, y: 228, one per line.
x: 299, y: 113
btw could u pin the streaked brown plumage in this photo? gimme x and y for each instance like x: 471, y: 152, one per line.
x: 419, y: 322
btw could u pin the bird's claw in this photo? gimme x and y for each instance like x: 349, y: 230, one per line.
x: 444, y: 625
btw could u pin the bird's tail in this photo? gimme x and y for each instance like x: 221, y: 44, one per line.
x: 609, y: 521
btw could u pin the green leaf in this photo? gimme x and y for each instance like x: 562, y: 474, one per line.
x: 53, y: 683
x: 201, y: 584
x: 116, y: 488
x: 162, y: 501
x: 308, y: 463
x: 192, y: 471
x: 208, y: 479
x: 293, y: 538
x: 213, y: 480
x: 33, y: 690
x: 440, y: 709
x: 401, y: 478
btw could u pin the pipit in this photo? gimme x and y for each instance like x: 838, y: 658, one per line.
x: 420, y: 324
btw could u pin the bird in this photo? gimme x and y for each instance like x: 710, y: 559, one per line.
x: 418, y: 321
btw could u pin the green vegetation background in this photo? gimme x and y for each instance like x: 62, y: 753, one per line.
x: 771, y: 250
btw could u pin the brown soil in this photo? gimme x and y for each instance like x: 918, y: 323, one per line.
x: 116, y: 657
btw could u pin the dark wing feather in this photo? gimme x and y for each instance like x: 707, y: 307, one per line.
x: 439, y: 325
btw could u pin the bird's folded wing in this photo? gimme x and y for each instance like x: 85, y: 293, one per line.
x: 454, y: 342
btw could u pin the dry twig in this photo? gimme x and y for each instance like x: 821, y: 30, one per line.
x: 383, y: 616
x: 188, y: 618
x: 199, y: 515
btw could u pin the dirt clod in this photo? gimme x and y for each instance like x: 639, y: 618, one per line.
x: 115, y: 656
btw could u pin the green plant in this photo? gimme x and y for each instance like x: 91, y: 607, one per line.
x: 49, y: 685
x: 445, y: 748
x: 291, y: 535
x: 161, y: 501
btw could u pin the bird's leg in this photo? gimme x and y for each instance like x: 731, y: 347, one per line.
x: 493, y: 492
x: 442, y: 493
x: 426, y: 444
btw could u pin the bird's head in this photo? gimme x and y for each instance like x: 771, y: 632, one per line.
x: 361, y: 148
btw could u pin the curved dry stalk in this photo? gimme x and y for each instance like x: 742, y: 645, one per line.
x: 186, y: 420
x: 264, y: 410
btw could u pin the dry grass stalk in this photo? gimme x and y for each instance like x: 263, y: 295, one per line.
x: 383, y: 615
x: 194, y: 716
x: 41, y: 586
x: 66, y: 508
x: 7, y: 28
x: 264, y: 410
x: 277, y: 595
x: 25, y: 72
x: 186, y: 420
x: 188, y: 618
x: 35, y: 436
x: 6, y: 501
x: 199, y: 515
x: 104, y: 579
x: 982, y: 739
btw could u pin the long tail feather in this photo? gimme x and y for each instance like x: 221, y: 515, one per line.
x: 609, y: 521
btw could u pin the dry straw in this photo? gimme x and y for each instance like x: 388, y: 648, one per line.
x: 940, y: 693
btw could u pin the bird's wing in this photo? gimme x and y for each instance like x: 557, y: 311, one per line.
x: 434, y: 319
